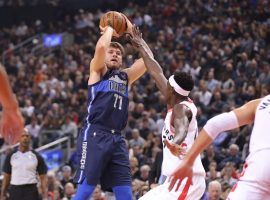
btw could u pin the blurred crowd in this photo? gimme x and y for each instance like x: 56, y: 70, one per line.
x: 223, y: 44
x: 21, y: 3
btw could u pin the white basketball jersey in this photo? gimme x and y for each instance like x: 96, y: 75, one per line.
x: 260, y: 137
x: 170, y: 161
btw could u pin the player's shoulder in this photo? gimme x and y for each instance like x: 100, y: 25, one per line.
x: 12, y: 152
x: 188, y: 104
x: 254, y: 104
x: 263, y: 102
x: 266, y: 99
x: 37, y: 154
x: 182, y: 109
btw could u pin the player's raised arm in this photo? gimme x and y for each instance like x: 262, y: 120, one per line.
x: 98, y: 62
x: 220, y: 123
x: 151, y: 64
x: 12, y: 123
x: 7, y: 98
x: 138, y: 68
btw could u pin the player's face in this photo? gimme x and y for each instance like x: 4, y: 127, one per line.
x: 25, y: 139
x: 113, y: 58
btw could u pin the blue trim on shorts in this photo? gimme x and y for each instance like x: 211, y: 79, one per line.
x: 85, y: 134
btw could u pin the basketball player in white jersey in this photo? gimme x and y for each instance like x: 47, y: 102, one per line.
x: 180, y: 129
x: 254, y: 182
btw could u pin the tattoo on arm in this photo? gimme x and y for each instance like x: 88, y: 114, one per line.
x: 182, y: 117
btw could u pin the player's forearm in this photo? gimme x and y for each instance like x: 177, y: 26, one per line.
x: 105, y: 40
x: 7, y: 97
x: 201, y: 142
x: 97, y: 63
x: 5, y: 184
x: 153, y: 68
x: 151, y: 64
x: 4, y: 189
x: 180, y: 137
x: 147, y: 49
x: 43, y: 190
x: 43, y: 183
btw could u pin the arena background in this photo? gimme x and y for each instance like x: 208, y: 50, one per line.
x: 46, y: 46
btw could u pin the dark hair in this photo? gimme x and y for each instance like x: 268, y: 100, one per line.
x: 184, y: 80
x: 117, y: 45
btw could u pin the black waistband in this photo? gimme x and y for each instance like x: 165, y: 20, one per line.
x: 24, y: 185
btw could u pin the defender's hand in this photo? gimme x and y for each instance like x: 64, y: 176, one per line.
x: 175, y: 149
x: 129, y: 25
x: 136, y: 37
x: 182, y: 172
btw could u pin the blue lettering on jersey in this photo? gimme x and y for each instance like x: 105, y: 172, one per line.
x: 109, y: 101
x: 112, y: 84
x: 117, y: 84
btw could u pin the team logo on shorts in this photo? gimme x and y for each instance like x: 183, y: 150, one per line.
x: 84, y: 152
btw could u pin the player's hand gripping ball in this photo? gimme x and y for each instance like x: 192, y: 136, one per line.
x: 114, y: 19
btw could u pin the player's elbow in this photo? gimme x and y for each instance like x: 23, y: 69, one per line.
x: 101, y: 47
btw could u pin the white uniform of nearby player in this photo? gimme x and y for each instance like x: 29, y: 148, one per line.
x: 254, y: 182
x: 171, y: 162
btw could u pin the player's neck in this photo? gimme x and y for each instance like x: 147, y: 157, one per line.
x: 24, y: 148
x: 177, y: 100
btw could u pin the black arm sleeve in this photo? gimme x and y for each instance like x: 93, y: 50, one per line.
x: 41, y: 167
x: 7, y: 164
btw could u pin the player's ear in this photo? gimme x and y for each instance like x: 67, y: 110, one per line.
x: 129, y: 37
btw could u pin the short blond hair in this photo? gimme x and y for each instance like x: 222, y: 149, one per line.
x: 117, y: 45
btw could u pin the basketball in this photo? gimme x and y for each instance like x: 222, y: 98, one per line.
x: 114, y: 19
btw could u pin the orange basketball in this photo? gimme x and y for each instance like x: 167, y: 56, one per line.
x: 114, y: 19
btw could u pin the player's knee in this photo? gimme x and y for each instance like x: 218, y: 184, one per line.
x: 123, y: 192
